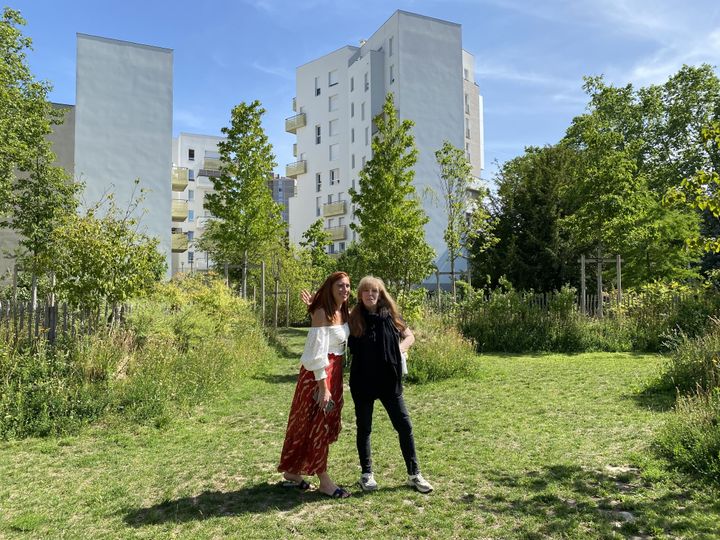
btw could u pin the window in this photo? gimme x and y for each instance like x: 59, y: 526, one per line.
x: 318, y: 205
x: 191, y: 215
x: 392, y: 74
x: 334, y: 152
x: 390, y: 46
x: 467, y: 104
x: 333, y: 128
x: 191, y: 236
x: 330, y: 200
x: 466, y: 74
x: 191, y: 154
x: 467, y: 128
x: 341, y: 221
x: 317, y: 133
x: 334, y: 176
x: 367, y: 83
x: 331, y: 223
x: 352, y: 161
x: 191, y: 257
x: 340, y: 195
x: 318, y: 182
x: 352, y: 135
x: 352, y: 83
x: 341, y: 247
x: 333, y: 103
x: 367, y: 135
x: 362, y: 111
x: 363, y: 161
x: 191, y: 195
x: 333, y: 77
x: 352, y: 110
x: 317, y: 87
x: 191, y: 175
x: 332, y: 248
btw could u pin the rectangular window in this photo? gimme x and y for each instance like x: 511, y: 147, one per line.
x: 191, y: 215
x: 191, y: 154
x: 352, y: 110
x: 318, y: 182
x: 334, y: 176
x: 467, y: 104
x: 331, y: 221
x: 333, y: 103
x: 333, y: 77
x: 352, y: 161
x: 352, y: 135
x: 340, y: 195
x: 392, y: 74
x: 352, y: 83
x: 191, y: 175
x: 341, y: 247
x: 317, y: 87
x: 367, y: 136
x: 333, y: 128
x: 334, y: 152
x: 466, y: 74
x: 341, y: 221
x: 362, y: 111
x: 318, y: 206
x: 191, y: 236
x: 363, y: 161
x: 330, y: 199
x: 191, y: 257
x: 191, y: 195
x: 390, y: 46
x: 317, y: 134
x: 367, y: 83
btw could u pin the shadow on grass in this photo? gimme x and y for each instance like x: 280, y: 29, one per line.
x: 281, y: 340
x: 565, y: 500
x: 257, y: 499
x: 654, y: 399
x: 274, y: 378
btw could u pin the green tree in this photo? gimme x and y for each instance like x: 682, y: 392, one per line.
x: 34, y: 195
x: 390, y: 218
x: 101, y: 256
x: 465, y: 215
x: 246, y: 217
x: 315, y: 241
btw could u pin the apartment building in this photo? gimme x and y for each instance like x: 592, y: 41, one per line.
x: 421, y: 61
x: 282, y: 189
x: 195, y: 162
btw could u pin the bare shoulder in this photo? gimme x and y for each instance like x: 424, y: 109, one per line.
x: 319, y: 318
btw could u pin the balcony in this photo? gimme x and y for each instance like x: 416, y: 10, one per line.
x: 294, y: 105
x: 334, y: 209
x: 211, y: 163
x: 179, y: 242
x: 294, y: 123
x: 293, y: 170
x: 179, y: 178
x: 337, y: 233
x: 179, y: 210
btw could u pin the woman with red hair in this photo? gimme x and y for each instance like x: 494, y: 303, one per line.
x: 314, y: 420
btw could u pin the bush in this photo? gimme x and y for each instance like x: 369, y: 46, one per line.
x: 440, y: 352
x: 176, y: 348
x: 691, y: 438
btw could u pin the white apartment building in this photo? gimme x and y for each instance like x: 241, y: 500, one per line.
x: 421, y: 61
x: 195, y: 161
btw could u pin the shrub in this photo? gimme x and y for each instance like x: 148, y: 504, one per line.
x: 440, y: 352
x: 691, y: 438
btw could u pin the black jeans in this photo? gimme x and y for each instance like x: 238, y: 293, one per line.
x: 395, y: 407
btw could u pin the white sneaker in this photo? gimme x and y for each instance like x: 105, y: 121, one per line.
x: 418, y: 482
x: 367, y: 482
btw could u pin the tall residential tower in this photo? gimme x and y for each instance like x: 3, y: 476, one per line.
x: 421, y: 61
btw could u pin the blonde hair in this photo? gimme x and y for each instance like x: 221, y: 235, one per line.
x: 385, y: 302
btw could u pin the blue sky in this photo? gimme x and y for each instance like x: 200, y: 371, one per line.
x: 530, y: 55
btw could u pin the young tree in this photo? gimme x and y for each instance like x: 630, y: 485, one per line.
x: 34, y: 195
x: 390, y: 218
x: 316, y: 240
x: 246, y: 217
x: 465, y: 214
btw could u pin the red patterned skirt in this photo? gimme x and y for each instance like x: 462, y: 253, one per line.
x: 310, y: 430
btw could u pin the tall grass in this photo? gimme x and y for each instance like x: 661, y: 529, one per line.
x: 176, y: 348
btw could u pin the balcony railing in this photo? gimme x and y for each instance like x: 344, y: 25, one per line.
x: 294, y: 123
x: 179, y: 178
x: 179, y: 210
x: 179, y: 242
x: 293, y: 170
x: 334, y: 209
x: 337, y: 233
x: 209, y: 173
x: 211, y: 163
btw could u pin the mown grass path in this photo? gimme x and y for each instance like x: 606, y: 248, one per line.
x: 530, y: 447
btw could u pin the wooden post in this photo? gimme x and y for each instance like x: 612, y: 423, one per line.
x: 287, y: 308
x: 244, y: 276
x: 227, y: 275
x: 618, y: 272
x: 277, y: 292
x: 583, y: 292
x: 262, y: 290
x: 599, y: 284
x: 437, y: 287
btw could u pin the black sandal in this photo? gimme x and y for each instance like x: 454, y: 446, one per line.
x: 339, y: 493
x: 302, y: 485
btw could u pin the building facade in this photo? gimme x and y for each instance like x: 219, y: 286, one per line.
x: 282, y: 189
x: 195, y: 161
x: 421, y: 61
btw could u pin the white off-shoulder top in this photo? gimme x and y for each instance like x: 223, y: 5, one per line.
x: 321, y: 341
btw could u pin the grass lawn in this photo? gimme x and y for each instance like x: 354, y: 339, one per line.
x: 545, y: 446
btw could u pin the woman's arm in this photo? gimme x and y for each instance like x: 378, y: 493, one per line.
x: 408, y: 338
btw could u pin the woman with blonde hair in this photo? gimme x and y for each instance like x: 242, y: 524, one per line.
x: 314, y: 420
x: 378, y: 339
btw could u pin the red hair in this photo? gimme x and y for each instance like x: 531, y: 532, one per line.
x: 324, y: 300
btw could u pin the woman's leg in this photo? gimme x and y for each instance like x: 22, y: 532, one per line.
x: 395, y: 407
x: 363, y: 421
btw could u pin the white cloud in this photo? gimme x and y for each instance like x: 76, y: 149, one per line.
x: 487, y: 70
x: 277, y: 71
